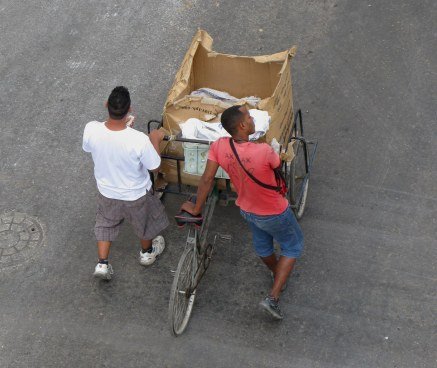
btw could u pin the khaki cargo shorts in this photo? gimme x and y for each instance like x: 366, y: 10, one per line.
x: 146, y: 215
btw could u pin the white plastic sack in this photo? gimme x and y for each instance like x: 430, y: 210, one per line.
x: 197, y: 129
x: 262, y: 121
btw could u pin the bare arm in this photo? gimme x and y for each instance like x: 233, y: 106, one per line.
x: 156, y: 137
x: 205, y: 184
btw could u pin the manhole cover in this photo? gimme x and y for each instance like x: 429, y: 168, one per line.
x: 21, y: 238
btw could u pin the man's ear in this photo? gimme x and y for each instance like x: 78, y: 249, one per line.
x: 106, y: 103
x: 245, y: 123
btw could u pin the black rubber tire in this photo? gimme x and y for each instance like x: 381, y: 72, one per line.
x: 181, y: 296
x: 296, y: 174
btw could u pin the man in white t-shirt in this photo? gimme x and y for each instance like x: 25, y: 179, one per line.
x: 122, y: 159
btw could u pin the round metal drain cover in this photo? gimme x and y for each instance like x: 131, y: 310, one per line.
x: 21, y: 238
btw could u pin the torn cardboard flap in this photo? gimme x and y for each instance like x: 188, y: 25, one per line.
x: 265, y: 76
x: 292, y: 51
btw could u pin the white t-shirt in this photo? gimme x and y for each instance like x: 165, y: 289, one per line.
x: 121, y: 160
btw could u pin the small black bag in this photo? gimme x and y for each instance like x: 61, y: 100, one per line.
x: 281, y: 184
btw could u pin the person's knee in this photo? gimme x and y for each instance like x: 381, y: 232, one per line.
x: 267, y: 257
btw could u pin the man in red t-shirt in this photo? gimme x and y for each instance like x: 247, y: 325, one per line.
x: 266, y: 211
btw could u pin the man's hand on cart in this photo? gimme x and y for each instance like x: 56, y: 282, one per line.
x: 157, y: 135
x: 205, y: 184
x: 190, y: 207
x: 130, y: 121
x: 189, y: 214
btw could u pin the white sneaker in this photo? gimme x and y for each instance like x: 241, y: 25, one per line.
x: 103, y: 271
x: 158, y: 245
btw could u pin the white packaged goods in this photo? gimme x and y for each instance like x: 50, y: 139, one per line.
x: 196, y: 156
x: 262, y: 122
x: 197, y: 129
x: 225, y: 97
x: 276, y: 146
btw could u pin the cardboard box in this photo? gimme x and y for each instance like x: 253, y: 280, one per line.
x: 267, y: 77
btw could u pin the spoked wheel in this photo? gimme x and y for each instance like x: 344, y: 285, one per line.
x: 298, y: 191
x: 182, y: 295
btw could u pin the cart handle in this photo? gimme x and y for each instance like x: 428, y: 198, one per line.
x: 153, y: 121
x: 178, y: 138
x: 298, y: 115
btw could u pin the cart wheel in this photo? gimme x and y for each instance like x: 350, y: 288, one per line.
x: 298, y: 187
x: 182, y: 296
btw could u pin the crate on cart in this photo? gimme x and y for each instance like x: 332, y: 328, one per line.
x: 268, y: 77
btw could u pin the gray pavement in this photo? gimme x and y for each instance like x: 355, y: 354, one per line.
x: 364, y: 292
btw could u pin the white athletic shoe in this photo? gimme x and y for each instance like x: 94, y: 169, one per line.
x: 158, y: 245
x: 103, y: 271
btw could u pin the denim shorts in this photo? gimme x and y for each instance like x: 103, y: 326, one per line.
x: 283, y: 228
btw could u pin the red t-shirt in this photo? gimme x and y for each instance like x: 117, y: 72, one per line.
x: 259, y: 159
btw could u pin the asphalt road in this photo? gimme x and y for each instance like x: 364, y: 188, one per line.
x: 364, y: 292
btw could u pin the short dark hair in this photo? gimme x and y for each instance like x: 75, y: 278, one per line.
x: 230, y: 119
x: 118, y: 103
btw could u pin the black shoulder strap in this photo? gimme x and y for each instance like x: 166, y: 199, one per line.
x: 275, y: 188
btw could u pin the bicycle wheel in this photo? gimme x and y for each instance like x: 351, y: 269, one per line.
x: 298, y: 186
x: 182, y: 296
